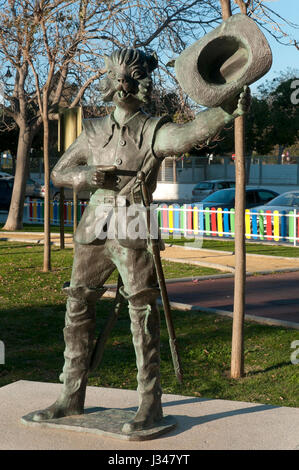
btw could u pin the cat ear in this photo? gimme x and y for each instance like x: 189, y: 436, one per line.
x: 108, y: 62
x: 152, y: 62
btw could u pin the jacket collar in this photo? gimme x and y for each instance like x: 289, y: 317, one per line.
x: 106, y: 127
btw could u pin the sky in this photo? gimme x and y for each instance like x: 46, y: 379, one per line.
x: 284, y: 57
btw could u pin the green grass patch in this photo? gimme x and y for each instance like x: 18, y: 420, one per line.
x: 32, y: 319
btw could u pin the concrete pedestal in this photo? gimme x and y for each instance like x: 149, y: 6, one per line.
x: 202, y: 424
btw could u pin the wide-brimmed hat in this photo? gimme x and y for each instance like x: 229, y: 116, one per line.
x: 217, y: 67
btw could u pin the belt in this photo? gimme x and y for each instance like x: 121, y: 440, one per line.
x: 109, y: 200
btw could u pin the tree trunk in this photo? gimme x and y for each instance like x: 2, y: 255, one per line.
x: 47, y: 233
x: 226, y: 9
x: 15, y: 215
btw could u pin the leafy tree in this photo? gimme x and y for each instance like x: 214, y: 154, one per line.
x: 284, y: 115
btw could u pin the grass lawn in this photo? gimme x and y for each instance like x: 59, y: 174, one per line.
x: 32, y: 319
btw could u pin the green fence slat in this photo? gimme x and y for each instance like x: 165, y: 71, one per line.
x: 261, y: 225
x: 232, y: 222
x: 291, y: 225
x: 207, y: 221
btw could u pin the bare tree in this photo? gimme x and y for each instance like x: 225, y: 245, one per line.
x: 79, y: 33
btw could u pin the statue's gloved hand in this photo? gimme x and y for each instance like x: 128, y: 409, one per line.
x: 102, y: 176
x: 239, y: 105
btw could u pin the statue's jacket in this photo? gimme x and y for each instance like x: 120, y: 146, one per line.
x: 130, y: 149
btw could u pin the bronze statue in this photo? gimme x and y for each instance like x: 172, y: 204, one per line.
x: 117, y: 158
x: 103, y: 159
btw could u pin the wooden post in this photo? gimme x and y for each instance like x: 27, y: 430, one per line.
x: 237, y: 353
x: 75, y: 210
x: 61, y: 221
x: 70, y: 127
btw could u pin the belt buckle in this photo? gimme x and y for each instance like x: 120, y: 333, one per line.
x: 109, y: 200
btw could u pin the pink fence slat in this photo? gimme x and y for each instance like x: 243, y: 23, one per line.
x: 164, y: 216
x: 189, y: 219
x: 214, y: 221
x: 269, y: 225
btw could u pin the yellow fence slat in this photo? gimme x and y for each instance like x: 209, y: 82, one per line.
x: 219, y: 222
x: 247, y: 224
x: 276, y: 225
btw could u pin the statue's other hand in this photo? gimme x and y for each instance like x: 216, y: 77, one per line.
x: 239, y: 105
x: 244, y: 101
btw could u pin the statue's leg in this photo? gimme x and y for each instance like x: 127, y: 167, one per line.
x: 78, y: 335
x: 145, y: 327
x: 137, y: 270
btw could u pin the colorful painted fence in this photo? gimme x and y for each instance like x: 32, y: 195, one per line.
x: 191, y: 220
x: 34, y: 212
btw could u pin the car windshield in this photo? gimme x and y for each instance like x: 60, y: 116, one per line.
x: 287, y: 199
x: 204, y: 185
x: 224, y: 195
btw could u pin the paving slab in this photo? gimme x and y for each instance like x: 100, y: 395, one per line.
x: 202, y: 424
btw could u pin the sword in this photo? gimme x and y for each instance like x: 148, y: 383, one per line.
x: 161, y: 280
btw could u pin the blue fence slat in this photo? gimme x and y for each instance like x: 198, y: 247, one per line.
x: 283, y: 225
x: 201, y: 218
x: 254, y: 224
x: 226, y: 222
x: 56, y: 211
x: 176, y: 218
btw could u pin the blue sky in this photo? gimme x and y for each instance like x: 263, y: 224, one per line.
x: 284, y: 57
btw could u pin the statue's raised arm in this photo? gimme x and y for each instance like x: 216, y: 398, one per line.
x: 216, y: 72
x: 175, y: 139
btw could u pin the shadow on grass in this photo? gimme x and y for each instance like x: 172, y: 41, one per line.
x: 268, y: 369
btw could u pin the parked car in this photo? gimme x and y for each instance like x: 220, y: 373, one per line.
x: 68, y: 193
x: 284, y: 202
x: 32, y: 187
x: 225, y: 198
x: 6, y: 186
x: 204, y: 188
x: 3, y: 174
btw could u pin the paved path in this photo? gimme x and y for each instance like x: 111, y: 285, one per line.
x: 225, y: 261
x: 275, y: 297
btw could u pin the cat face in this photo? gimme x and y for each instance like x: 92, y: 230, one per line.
x: 128, y: 81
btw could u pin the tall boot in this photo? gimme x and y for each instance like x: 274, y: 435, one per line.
x: 79, y: 341
x: 145, y: 327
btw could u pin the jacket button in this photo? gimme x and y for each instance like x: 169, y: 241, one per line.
x: 119, y: 161
x: 122, y: 142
